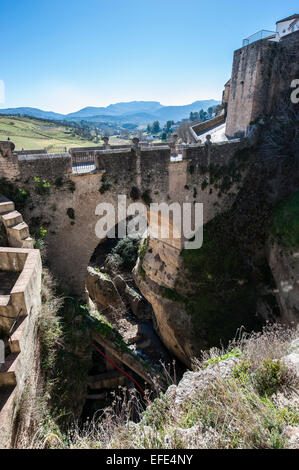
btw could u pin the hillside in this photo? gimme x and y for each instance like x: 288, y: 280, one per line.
x: 29, y: 133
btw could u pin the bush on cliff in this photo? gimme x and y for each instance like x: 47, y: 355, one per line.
x: 223, y: 294
x: 285, y: 225
x: 124, y: 255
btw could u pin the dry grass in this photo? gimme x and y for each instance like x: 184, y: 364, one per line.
x: 238, y: 411
x: 49, y: 328
x: 271, y: 343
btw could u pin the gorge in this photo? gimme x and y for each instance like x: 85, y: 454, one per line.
x: 123, y: 310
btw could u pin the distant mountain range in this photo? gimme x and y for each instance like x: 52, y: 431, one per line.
x: 134, y: 112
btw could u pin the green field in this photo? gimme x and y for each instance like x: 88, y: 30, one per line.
x: 32, y: 134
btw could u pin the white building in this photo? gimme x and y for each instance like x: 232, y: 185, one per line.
x: 283, y: 28
x: 287, y: 26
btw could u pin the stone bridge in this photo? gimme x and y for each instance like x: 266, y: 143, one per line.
x: 83, y: 178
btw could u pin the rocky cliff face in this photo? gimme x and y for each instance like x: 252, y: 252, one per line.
x: 202, y: 297
x: 285, y: 268
x: 155, y: 272
x: 283, y: 256
x: 199, y: 297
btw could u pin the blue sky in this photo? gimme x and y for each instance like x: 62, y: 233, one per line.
x: 62, y: 55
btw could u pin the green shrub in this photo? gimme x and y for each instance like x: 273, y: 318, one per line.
x: 142, y: 248
x: 285, y: 223
x: 40, y: 238
x: 125, y: 254
x: 157, y: 413
x: 106, y: 186
x: 215, y: 360
x: 12, y: 191
x: 42, y: 187
x: 270, y: 377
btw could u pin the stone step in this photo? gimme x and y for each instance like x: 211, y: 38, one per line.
x: 111, y: 379
x: 6, y: 307
x: 4, y: 300
x: 10, y: 219
x: 6, y: 205
x: 17, y: 234
x: 28, y: 243
x: 14, y: 341
x: 7, y: 371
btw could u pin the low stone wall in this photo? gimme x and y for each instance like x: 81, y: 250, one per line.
x: 30, y: 152
x: 47, y: 166
x: 220, y: 153
x: 26, y: 290
x: 20, y: 370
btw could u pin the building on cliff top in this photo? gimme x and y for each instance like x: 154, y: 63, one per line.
x: 247, y: 95
x: 283, y: 28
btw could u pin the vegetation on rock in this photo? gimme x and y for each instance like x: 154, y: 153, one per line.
x: 285, y: 225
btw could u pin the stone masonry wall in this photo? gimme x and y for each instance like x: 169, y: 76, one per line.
x: 8, y: 161
x: 47, y: 166
x: 249, y: 85
x: 221, y: 153
x: 261, y: 77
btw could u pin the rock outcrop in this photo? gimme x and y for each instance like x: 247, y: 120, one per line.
x: 155, y: 271
x: 101, y: 288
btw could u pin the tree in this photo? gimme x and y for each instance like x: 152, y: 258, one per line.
x: 194, y: 116
x: 203, y: 115
x: 211, y: 111
x: 168, y: 125
x: 156, y: 127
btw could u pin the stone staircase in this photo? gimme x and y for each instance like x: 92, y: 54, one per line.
x: 17, y: 230
x: 9, y: 377
x: 20, y: 268
x: 7, y: 370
